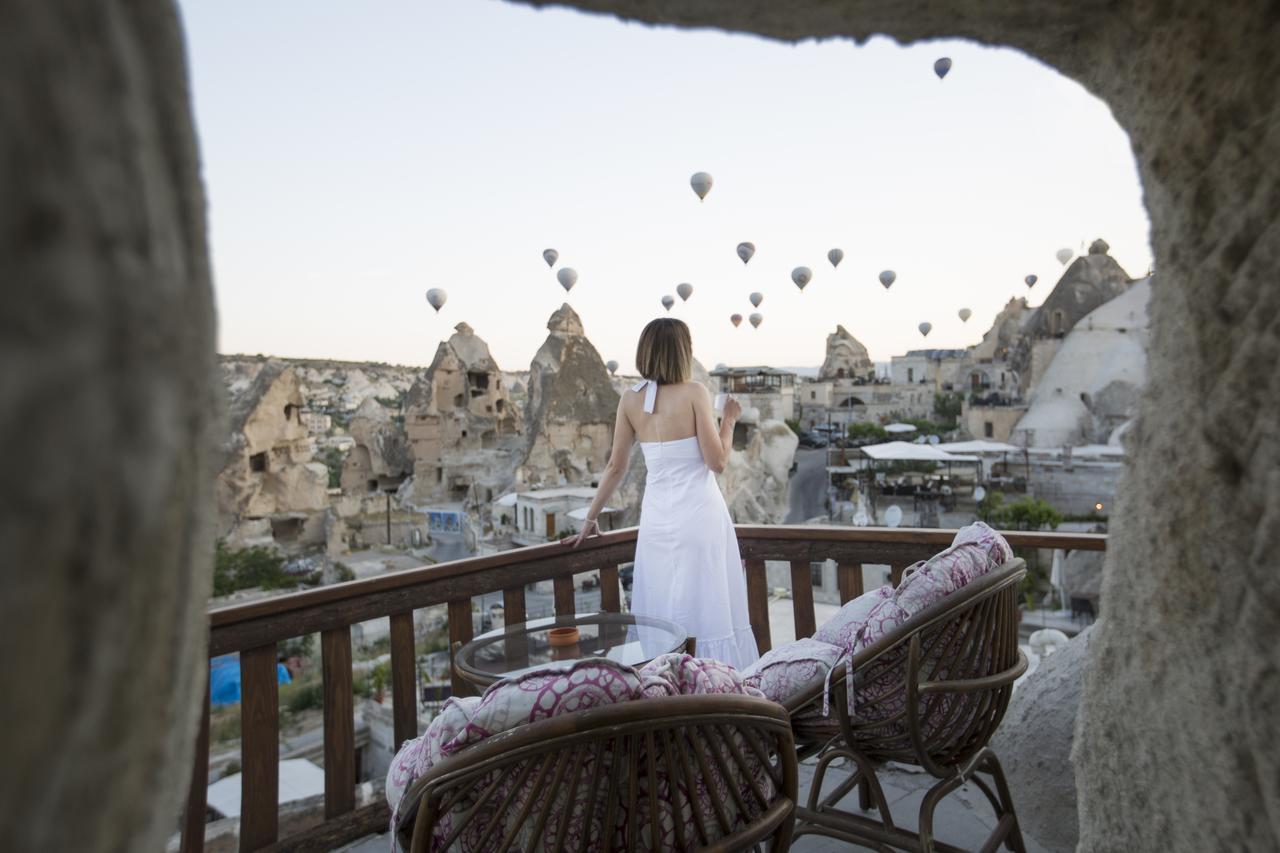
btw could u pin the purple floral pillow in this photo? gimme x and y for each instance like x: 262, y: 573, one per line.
x: 783, y: 672
x: 415, y: 757
x: 679, y: 674
x: 845, y: 627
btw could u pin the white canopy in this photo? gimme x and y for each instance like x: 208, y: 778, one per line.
x: 899, y: 428
x: 908, y: 452
x: 981, y: 445
x: 580, y: 514
x: 509, y: 499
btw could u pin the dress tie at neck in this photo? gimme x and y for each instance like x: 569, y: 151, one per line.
x: 650, y: 394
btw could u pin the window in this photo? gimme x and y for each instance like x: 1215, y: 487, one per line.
x: 813, y: 395
x: 988, y: 429
x: 373, y: 485
x: 258, y: 462
x: 911, y: 375
x: 498, y: 404
x: 815, y: 574
x: 440, y: 475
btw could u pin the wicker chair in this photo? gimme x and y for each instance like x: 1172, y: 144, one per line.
x: 931, y: 693
x: 558, y: 783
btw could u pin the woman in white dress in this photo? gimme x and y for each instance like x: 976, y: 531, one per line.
x: 688, y: 568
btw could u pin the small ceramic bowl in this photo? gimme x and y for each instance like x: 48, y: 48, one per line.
x: 562, y: 636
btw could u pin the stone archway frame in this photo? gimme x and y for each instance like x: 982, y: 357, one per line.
x: 1184, y: 667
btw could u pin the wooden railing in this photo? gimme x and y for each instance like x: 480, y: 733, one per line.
x: 255, y: 629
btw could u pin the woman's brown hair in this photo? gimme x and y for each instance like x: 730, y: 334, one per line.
x: 665, y: 352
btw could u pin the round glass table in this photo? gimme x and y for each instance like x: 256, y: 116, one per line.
x: 523, y: 647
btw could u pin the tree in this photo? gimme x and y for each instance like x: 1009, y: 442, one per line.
x: 947, y: 408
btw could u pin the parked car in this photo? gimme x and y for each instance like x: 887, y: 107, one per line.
x: 812, y: 439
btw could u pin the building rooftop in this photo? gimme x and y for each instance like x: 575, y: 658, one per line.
x: 586, y: 492
x: 759, y: 369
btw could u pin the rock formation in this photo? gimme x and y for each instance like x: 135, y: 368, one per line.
x: 755, y: 481
x: 571, y: 408
x: 269, y: 489
x: 463, y: 430
x: 380, y: 460
x: 1092, y: 384
x: 1034, y: 746
x: 846, y: 358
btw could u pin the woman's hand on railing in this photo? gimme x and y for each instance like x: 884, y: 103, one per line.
x: 583, y: 535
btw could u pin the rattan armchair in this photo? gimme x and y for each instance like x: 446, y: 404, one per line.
x: 706, y: 772
x: 931, y: 693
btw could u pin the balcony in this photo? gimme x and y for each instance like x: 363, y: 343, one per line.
x: 255, y: 629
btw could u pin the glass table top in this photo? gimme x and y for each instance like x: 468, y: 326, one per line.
x: 515, y: 649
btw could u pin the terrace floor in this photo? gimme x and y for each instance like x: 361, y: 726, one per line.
x: 964, y: 819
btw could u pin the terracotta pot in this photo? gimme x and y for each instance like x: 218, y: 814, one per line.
x: 563, y: 636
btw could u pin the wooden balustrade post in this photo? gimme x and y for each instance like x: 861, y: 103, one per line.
x: 198, y: 794
x: 802, y: 599
x: 758, y: 604
x: 849, y: 580
x: 339, y: 723
x: 259, y: 747
x: 610, y: 590
x: 513, y: 613
x: 404, y: 678
x: 565, y: 604
x: 460, y: 631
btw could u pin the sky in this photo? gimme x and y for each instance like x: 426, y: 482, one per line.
x: 357, y: 154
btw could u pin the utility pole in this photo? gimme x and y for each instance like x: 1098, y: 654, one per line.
x: 388, y: 518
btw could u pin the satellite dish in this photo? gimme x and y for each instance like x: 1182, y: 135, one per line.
x: 436, y: 297
x: 756, y: 320
x: 835, y: 256
x: 668, y: 301
x: 801, y: 276
x: 685, y: 291
x: 550, y: 256
x: 612, y: 365
x: 979, y: 494
x: 756, y: 299
x: 933, y: 439
x: 746, y: 250
x: 568, y: 277
x: 701, y: 183
x: 942, y: 66
x: 893, y: 516
x: 887, y: 278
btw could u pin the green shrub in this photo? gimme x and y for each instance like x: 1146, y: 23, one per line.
x: 794, y: 424
x: 299, y: 697
x: 333, y: 459
x: 248, y: 567
x: 867, y: 430
x: 343, y: 572
x: 947, y: 407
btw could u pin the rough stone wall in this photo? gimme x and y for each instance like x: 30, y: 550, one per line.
x: 1034, y: 746
x: 1183, y: 680
x: 112, y: 410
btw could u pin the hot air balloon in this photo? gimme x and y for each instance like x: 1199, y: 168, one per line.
x: 756, y: 299
x: 612, y: 365
x: 801, y: 276
x: 1031, y: 280
x: 1064, y: 255
x: 746, y: 250
x: 685, y: 291
x: 756, y: 320
x: 925, y: 329
x: 942, y: 66
x: 887, y: 278
x: 550, y: 256
x: 835, y: 256
x: 736, y: 320
x: 568, y: 277
x: 701, y: 183
x: 436, y: 297
x: 668, y: 301
x: 965, y: 314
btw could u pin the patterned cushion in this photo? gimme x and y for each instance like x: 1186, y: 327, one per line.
x: 784, y: 671
x: 417, y: 756
x: 845, y: 627
x: 679, y: 674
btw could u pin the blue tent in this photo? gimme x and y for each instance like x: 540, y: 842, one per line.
x: 224, y: 679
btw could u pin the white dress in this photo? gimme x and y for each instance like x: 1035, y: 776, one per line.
x: 688, y: 569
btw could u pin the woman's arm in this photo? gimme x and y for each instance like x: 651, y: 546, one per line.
x: 716, y: 443
x: 615, y: 469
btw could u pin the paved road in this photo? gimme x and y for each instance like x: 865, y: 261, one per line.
x: 807, y: 490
